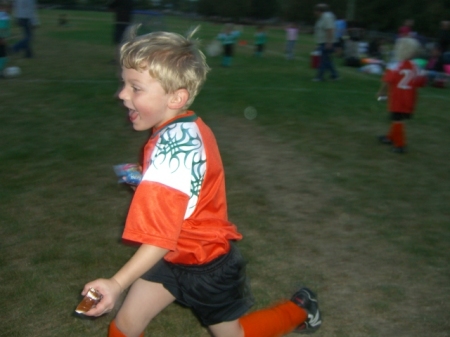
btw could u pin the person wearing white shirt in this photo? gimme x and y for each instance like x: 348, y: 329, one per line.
x: 324, y: 34
x: 26, y: 15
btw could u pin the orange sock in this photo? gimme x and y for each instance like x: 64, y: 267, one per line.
x: 115, y: 332
x: 398, y: 134
x: 391, y: 133
x: 401, y: 135
x: 273, y: 322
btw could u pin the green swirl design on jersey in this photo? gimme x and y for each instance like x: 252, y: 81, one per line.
x: 178, y: 148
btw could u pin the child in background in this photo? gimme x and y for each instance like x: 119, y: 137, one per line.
x: 291, y: 39
x: 228, y: 38
x: 178, y: 214
x: 5, y: 31
x: 260, y: 40
x: 435, y: 65
x: 400, y: 83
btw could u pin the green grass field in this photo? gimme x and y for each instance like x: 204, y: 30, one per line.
x: 319, y: 202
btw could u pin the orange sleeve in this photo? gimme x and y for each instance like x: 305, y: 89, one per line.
x: 156, y: 215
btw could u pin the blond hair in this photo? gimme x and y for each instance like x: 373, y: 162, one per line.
x: 406, y: 48
x: 174, y: 60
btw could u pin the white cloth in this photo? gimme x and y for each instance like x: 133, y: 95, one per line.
x: 325, y: 23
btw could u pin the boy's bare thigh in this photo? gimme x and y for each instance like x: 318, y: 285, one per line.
x: 144, y: 301
x: 227, y: 329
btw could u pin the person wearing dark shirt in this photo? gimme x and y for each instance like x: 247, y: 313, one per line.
x: 444, y: 37
x: 122, y: 10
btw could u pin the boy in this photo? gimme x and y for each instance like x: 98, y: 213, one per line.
x: 179, y: 213
x: 400, y: 82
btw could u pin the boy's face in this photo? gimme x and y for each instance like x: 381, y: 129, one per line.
x: 146, y: 100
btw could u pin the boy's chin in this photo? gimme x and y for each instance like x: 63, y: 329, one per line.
x: 138, y: 127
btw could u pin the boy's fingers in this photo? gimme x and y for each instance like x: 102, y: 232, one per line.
x: 98, y: 310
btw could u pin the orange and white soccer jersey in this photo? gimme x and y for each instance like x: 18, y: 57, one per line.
x: 403, y: 79
x: 180, y: 203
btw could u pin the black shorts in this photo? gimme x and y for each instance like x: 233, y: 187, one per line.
x: 228, y: 50
x: 217, y: 292
x: 400, y: 116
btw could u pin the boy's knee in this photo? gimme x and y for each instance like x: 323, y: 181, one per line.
x: 127, y: 326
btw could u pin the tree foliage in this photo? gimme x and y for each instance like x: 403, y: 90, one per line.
x: 237, y: 9
x: 383, y: 15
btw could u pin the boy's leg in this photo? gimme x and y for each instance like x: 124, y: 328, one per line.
x: 399, y: 139
x: 143, y: 302
x: 114, y: 331
x: 227, y: 329
x: 300, y: 314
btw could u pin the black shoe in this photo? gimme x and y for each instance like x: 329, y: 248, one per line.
x: 399, y: 150
x: 384, y: 140
x: 307, y: 300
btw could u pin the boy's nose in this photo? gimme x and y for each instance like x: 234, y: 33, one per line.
x: 121, y: 93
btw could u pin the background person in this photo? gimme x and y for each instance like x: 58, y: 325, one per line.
x: 291, y: 40
x: 400, y: 83
x: 443, y: 38
x: 122, y: 20
x: 406, y: 29
x: 340, y: 31
x: 228, y: 38
x: 26, y: 15
x: 260, y: 40
x: 5, y: 32
x: 325, y: 38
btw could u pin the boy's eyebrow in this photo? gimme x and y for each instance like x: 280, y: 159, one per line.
x: 134, y: 82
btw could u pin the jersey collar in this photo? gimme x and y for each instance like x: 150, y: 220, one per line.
x: 188, y: 116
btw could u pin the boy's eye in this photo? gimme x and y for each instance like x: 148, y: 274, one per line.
x: 135, y: 89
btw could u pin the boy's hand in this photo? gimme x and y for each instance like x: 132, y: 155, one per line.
x: 110, y: 290
x: 381, y: 95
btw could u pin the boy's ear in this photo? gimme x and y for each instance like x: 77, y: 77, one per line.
x: 178, y: 99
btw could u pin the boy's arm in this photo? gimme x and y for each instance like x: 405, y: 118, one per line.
x: 144, y: 259
x: 422, y: 79
x: 383, y: 90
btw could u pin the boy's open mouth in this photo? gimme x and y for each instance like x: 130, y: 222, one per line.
x: 132, y: 114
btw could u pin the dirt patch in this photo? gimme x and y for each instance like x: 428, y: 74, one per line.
x: 367, y: 287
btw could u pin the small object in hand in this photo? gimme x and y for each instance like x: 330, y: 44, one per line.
x: 382, y: 98
x: 91, y: 299
x: 129, y: 173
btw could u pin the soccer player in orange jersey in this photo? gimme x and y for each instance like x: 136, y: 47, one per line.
x: 400, y: 82
x: 178, y: 215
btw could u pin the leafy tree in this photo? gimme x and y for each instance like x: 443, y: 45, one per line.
x: 264, y: 9
x: 208, y: 8
x: 233, y: 9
